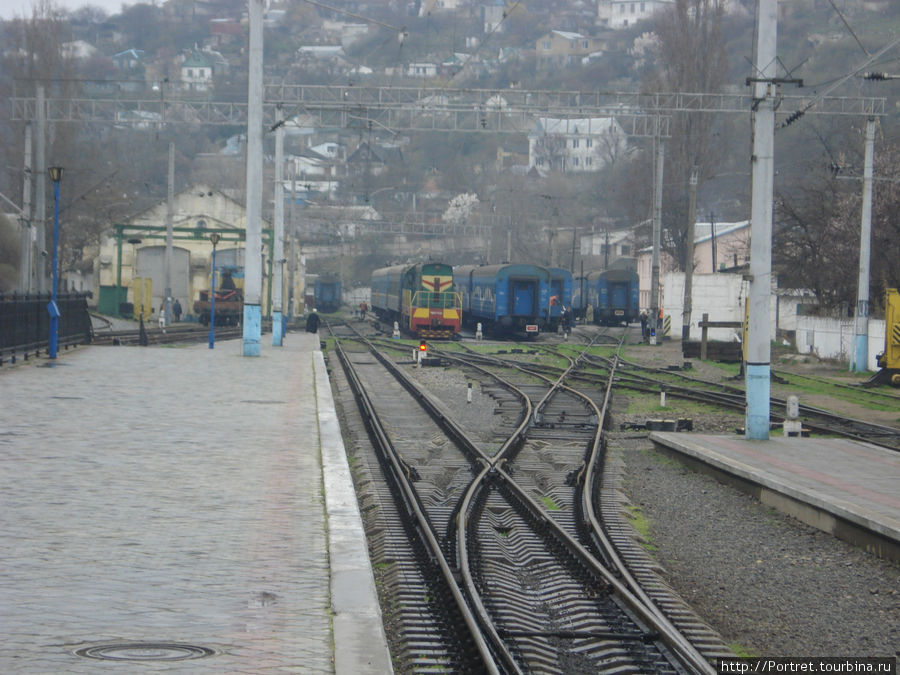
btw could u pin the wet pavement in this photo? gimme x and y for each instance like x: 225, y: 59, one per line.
x: 163, y: 508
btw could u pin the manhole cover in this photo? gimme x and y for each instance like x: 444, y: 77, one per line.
x: 145, y: 651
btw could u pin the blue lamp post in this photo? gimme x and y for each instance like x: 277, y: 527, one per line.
x: 52, y: 308
x: 214, y: 238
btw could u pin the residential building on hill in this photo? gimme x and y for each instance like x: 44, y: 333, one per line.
x: 575, y: 145
x: 562, y: 48
x: 197, y: 71
x: 624, y: 13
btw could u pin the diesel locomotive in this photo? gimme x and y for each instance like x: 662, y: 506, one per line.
x: 421, y: 298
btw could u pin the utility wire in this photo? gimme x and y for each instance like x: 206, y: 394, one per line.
x: 794, y: 116
x: 356, y: 16
x: 849, y: 29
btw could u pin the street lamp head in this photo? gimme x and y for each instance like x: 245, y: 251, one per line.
x: 134, y: 240
x: 214, y: 238
x: 55, y: 173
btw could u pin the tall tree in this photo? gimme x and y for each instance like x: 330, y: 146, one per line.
x: 816, y: 242
x: 690, y: 57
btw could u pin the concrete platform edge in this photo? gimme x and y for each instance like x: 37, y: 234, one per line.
x: 360, y: 644
x: 851, y: 515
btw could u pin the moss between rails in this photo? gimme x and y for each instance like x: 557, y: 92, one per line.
x: 550, y: 503
x: 663, y: 458
x: 741, y: 651
x: 800, y: 385
x: 644, y: 404
x: 640, y: 523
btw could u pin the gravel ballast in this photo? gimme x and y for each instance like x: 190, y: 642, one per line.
x: 768, y: 583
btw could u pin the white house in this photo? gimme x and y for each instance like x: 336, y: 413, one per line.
x: 422, y: 70
x: 197, y: 71
x: 575, y: 145
x: 624, y: 13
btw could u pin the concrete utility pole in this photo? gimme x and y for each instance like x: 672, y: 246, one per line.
x: 278, y: 253
x: 860, y: 361
x: 689, y: 258
x: 657, y: 233
x: 292, y: 261
x: 253, y: 258
x: 170, y: 225
x: 765, y: 90
x: 25, y: 219
x: 40, y: 170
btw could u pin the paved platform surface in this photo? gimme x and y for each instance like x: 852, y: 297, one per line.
x: 854, y: 481
x: 166, y: 501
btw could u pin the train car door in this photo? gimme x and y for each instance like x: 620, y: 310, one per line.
x: 618, y: 292
x: 524, y: 297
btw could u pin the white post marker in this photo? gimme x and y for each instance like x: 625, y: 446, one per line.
x: 469, y: 393
x: 792, y: 426
x: 478, y: 334
x: 396, y: 333
x: 662, y: 398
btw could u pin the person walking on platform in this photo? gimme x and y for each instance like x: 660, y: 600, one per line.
x: 312, y: 322
x: 176, y: 310
x: 643, y: 325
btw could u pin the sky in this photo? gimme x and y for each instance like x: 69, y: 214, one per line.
x: 10, y: 9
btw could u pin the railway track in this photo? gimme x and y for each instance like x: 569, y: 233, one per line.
x: 172, y: 334
x: 646, y: 380
x: 505, y: 529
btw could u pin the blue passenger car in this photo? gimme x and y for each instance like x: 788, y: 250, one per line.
x: 511, y: 299
x: 561, y: 291
x: 615, y: 295
x: 327, y: 293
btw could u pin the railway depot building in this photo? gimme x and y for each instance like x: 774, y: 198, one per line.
x: 129, y: 272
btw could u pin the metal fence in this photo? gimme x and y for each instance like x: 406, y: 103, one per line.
x: 25, y: 322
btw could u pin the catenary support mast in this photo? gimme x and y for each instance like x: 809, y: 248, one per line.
x: 758, y: 371
x: 253, y: 258
x: 278, y: 244
x: 860, y: 360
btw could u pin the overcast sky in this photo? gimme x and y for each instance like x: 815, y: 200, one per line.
x: 10, y: 9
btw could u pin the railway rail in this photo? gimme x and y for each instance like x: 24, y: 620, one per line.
x: 534, y: 588
x: 648, y: 380
x: 171, y: 334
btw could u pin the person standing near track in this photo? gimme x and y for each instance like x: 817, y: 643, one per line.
x: 312, y: 322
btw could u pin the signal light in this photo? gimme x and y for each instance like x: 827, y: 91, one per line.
x: 423, y: 346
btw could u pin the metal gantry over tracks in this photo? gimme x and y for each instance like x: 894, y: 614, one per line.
x: 424, y: 108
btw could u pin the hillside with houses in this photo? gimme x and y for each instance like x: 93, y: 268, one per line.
x: 561, y: 184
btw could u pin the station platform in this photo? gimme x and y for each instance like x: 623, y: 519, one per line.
x: 844, y: 487
x: 182, y: 509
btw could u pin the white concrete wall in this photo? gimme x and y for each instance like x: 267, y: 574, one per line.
x: 836, y: 338
x: 719, y: 295
x: 722, y: 297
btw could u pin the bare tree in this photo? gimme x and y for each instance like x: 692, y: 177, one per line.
x: 691, y: 57
x: 816, y: 242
